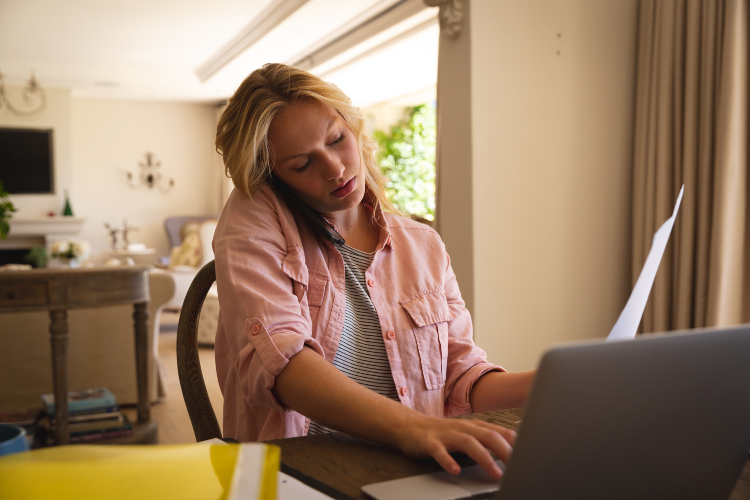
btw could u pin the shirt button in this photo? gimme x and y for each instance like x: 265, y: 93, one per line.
x: 370, y: 283
x: 255, y: 330
x: 404, y: 391
x: 391, y: 335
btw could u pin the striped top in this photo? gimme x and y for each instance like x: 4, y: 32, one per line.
x: 361, y: 352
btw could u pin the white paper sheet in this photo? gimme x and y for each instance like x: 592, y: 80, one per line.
x: 630, y: 317
x: 289, y: 488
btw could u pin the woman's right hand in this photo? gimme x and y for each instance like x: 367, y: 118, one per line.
x: 314, y: 387
x: 424, y: 436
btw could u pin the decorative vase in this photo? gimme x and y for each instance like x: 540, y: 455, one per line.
x: 64, y: 263
x: 73, y: 263
x: 67, y: 210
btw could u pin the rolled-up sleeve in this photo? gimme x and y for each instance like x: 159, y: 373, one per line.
x: 262, y: 286
x: 466, y: 362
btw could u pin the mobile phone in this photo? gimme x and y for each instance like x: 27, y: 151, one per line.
x: 313, y: 218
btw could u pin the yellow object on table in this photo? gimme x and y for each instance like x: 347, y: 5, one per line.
x: 199, y: 471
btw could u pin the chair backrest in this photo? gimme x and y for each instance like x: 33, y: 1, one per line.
x: 206, y: 232
x: 202, y: 416
x: 173, y: 226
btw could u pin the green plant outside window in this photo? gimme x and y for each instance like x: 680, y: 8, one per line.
x: 407, y: 159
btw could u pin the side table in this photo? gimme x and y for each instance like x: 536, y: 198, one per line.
x: 59, y: 290
x: 143, y: 257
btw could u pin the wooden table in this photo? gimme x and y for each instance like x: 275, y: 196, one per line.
x: 61, y: 289
x: 143, y: 257
x: 339, y: 465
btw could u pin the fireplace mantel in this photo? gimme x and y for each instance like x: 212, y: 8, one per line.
x: 27, y: 232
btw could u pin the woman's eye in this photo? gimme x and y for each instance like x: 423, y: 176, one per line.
x: 303, y: 167
x: 309, y: 159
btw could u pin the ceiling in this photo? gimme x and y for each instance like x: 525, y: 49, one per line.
x: 154, y: 49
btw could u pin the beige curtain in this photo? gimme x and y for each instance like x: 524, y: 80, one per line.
x: 692, y: 129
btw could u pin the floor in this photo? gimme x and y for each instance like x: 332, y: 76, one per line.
x: 170, y: 413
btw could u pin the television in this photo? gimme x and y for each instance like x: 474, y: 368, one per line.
x: 26, y: 161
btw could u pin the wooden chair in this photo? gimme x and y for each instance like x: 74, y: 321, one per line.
x: 194, y: 391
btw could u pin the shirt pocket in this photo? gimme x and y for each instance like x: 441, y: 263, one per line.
x: 315, y: 291
x: 294, y: 267
x: 305, y: 280
x: 429, y: 313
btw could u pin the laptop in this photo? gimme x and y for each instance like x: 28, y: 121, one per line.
x: 661, y: 416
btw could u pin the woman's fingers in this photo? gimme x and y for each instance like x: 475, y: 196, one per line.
x: 488, y: 437
x: 446, y: 461
x: 439, y: 437
x: 508, y: 434
x: 477, y: 451
x: 498, y: 439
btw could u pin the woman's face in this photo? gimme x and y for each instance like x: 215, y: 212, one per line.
x: 316, y: 155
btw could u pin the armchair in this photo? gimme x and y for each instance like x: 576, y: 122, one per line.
x: 183, y: 275
x: 173, y: 226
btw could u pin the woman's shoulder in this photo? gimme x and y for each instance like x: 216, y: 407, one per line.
x: 262, y: 211
x: 399, y: 222
x: 261, y: 205
x: 262, y: 199
x: 405, y: 228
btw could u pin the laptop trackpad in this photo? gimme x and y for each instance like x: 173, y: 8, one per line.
x: 437, y: 486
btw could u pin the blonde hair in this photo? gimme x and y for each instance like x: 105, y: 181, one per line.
x: 242, y: 132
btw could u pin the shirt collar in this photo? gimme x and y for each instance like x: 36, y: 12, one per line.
x: 378, y: 217
x: 372, y: 205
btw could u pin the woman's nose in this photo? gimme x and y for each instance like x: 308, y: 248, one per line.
x: 333, y: 168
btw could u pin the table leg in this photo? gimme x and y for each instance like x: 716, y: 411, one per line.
x: 140, y: 315
x: 59, y: 339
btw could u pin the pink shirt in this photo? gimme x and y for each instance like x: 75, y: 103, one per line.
x: 281, y: 288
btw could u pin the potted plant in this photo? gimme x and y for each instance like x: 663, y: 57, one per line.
x: 69, y: 253
x: 37, y: 257
x: 6, y: 212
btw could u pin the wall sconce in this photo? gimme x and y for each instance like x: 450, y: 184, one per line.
x: 31, y: 92
x: 150, y: 175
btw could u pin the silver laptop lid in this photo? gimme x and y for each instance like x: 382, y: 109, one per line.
x: 662, y: 416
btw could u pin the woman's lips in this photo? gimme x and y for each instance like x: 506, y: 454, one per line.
x: 344, y: 190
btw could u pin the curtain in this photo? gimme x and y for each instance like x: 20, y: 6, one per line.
x: 691, y: 128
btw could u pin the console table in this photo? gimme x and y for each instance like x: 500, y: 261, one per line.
x: 143, y: 257
x: 59, y: 290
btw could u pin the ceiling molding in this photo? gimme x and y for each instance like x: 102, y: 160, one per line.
x: 451, y: 16
x: 377, y: 48
x: 276, y: 12
x: 356, y: 32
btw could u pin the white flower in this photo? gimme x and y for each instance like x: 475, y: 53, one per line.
x: 80, y: 248
x: 69, y: 249
x: 60, y: 248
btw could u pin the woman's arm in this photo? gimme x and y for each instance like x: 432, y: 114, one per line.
x: 500, y: 390
x: 314, y: 387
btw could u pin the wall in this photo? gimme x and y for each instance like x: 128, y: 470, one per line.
x: 454, y: 214
x: 56, y: 117
x: 110, y: 138
x: 552, y: 93
x: 97, y: 142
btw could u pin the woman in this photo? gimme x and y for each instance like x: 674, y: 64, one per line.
x: 336, y: 314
